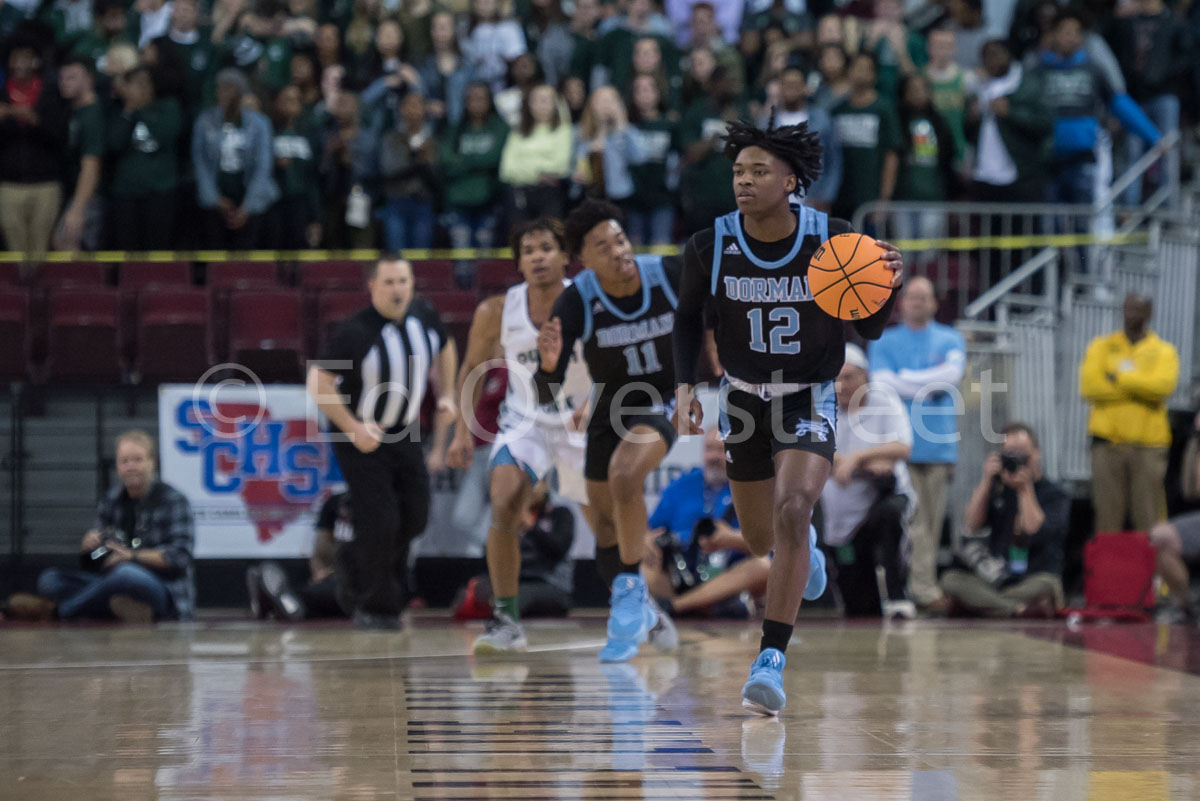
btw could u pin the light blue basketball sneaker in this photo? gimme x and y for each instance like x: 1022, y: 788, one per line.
x: 630, y: 618
x: 817, y: 579
x: 763, y: 692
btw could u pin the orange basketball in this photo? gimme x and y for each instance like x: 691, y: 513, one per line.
x: 848, y: 278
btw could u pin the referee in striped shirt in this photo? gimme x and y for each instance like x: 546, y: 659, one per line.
x: 372, y: 373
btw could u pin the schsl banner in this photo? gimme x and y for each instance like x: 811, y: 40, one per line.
x: 250, y: 461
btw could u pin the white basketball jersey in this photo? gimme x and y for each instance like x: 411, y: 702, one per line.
x: 518, y: 338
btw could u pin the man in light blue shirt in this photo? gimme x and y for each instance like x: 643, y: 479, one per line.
x: 924, y: 362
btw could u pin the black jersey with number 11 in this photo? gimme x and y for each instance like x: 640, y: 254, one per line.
x: 626, y: 341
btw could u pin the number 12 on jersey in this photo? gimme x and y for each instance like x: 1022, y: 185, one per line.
x: 788, y: 320
x: 647, y: 363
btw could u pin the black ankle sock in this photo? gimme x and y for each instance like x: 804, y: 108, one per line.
x: 608, y: 564
x: 775, y: 635
x: 634, y: 568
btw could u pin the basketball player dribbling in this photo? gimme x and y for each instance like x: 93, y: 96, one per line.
x: 778, y: 409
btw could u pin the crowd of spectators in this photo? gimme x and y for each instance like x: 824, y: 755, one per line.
x: 337, y: 123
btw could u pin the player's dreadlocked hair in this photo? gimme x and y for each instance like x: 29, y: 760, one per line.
x: 586, y: 216
x: 795, y: 145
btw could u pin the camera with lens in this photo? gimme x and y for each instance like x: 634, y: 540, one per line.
x: 1012, y: 461
x: 93, y: 560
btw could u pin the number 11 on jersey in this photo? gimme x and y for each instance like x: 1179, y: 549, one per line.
x: 647, y: 363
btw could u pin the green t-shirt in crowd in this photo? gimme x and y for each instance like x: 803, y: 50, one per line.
x: 660, y: 139
x: 200, y: 60
x: 920, y: 175
x: 295, y: 170
x: 708, y: 183
x: 950, y: 99
x: 469, y: 157
x: 866, y: 134
x: 144, y: 148
x: 85, y: 136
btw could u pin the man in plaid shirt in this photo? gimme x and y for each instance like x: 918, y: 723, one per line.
x: 137, y: 559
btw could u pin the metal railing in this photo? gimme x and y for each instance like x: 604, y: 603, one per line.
x: 986, y: 252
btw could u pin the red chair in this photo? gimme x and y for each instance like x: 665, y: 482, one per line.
x: 433, y: 275
x: 173, y: 335
x: 14, y: 334
x: 136, y: 276
x: 83, y: 338
x: 496, y: 276
x: 318, y: 276
x: 333, y: 307
x: 241, y: 275
x: 10, y: 273
x: 453, y: 307
x: 55, y: 275
x: 265, y: 333
x: 226, y: 277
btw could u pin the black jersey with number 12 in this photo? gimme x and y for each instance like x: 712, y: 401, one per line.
x: 768, y: 328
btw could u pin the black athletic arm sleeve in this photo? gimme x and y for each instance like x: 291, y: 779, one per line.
x: 569, y: 310
x: 688, y: 337
x: 872, y: 327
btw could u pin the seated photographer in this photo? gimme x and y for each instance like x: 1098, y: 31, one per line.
x: 869, y: 496
x: 136, y: 559
x: 547, y: 571
x: 1018, y: 522
x: 696, y: 560
x: 1177, y: 541
x: 271, y: 594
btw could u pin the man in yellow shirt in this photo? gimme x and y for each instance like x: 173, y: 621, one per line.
x: 1127, y: 377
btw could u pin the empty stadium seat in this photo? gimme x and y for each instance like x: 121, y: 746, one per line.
x: 453, y: 306
x: 265, y: 333
x: 137, y: 278
x: 431, y: 275
x: 325, y: 275
x: 14, y: 334
x: 241, y: 275
x: 10, y: 273
x: 333, y: 307
x: 496, y: 276
x: 83, y: 336
x: 172, y: 335
x: 72, y: 274
x: 139, y: 275
x: 226, y: 277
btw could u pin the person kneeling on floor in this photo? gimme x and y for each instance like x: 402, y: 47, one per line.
x: 1019, y: 522
x: 696, y: 560
x: 136, y: 560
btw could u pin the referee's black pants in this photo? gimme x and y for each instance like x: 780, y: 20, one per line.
x: 390, y: 488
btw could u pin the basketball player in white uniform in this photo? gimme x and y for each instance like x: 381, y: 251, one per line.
x: 533, y: 438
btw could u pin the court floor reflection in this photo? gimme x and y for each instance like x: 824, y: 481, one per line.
x: 930, y: 712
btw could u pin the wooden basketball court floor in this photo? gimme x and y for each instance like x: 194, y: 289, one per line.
x: 923, y: 711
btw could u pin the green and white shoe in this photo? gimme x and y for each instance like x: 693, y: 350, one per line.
x: 503, y: 635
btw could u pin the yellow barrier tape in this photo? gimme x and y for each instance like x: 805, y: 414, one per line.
x: 956, y: 243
